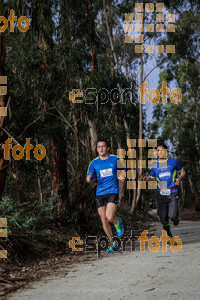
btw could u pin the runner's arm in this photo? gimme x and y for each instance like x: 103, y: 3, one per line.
x: 182, y: 173
x: 89, y: 178
x: 152, y: 177
x: 181, y: 176
x: 149, y: 178
x: 121, y: 167
x: 91, y: 173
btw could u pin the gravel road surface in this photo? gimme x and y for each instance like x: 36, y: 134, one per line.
x: 129, y: 275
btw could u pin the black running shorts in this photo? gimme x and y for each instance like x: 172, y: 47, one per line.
x: 167, y: 206
x: 104, y: 199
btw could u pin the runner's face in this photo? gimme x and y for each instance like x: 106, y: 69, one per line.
x: 162, y: 152
x: 102, y: 149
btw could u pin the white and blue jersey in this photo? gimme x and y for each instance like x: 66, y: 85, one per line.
x: 166, y: 172
x: 106, y: 172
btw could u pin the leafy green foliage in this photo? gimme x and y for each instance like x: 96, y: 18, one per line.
x: 27, y: 219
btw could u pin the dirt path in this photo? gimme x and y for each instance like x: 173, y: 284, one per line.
x: 129, y: 275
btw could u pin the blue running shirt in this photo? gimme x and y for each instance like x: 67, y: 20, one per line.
x: 106, y: 172
x: 166, y: 171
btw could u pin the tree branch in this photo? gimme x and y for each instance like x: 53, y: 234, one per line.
x: 164, y: 59
x: 109, y: 33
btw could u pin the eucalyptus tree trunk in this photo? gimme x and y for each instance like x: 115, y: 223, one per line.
x: 194, y: 191
x: 111, y: 51
x: 136, y: 196
x: 91, y: 39
x: 57, y: 143
x: 109, y: 32
x: 3, y: 136
x: 93, y: 136
x: 182, y: 195
x: 94, y: 68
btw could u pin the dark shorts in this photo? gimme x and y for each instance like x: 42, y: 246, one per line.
x: 107, y: 198
x: 167, y: 207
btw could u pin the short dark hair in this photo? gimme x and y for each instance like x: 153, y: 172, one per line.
x: 162, y: 145
x: 102, y: 140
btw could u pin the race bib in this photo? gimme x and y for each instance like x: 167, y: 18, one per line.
x: 106, y: 172
x: 165, y: 174
x: 165, y: 192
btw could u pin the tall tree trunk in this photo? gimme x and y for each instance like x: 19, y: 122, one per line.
x: 59, y: 182
x: 3, y: 136
x: 109, y: 34
x: 91, y: 39
x: 194, y: 192
x: 134, y: 205
x: 94, y: 68
x: 81, y: 218
x: 112, y: 62
x: 182, y: 195
x: 93, y: 136
x: 122, y: 185
x: 56, y: 138
x: 38, y: 174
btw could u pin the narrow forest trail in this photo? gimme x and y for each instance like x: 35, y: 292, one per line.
x: 129, y: 275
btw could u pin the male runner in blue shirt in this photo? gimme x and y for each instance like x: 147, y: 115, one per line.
x: 107, y: 192
x: 167, y: 200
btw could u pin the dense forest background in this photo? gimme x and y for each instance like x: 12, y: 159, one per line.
x: 80, y: 45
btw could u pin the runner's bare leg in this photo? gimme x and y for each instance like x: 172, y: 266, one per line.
x: 106, y: 225
x: 111, y: 212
